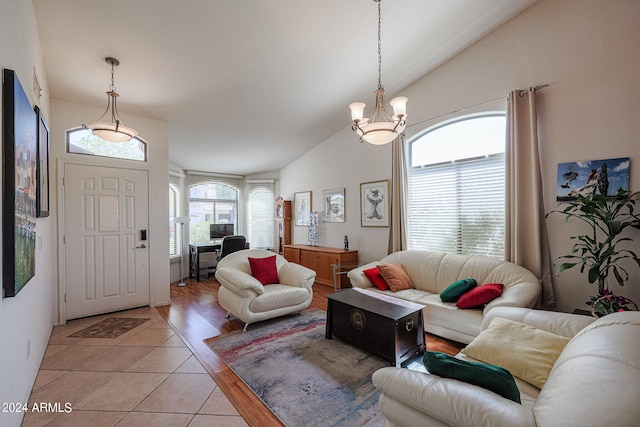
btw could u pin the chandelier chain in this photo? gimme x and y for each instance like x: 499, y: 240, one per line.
x: 379, y: 46
x: 113, y: 85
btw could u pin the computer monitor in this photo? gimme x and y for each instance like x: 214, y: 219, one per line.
x: 218, y: 231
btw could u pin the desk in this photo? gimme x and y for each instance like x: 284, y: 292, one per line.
x: 195, y: 249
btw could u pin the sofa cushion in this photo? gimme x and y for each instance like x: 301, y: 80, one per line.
x: 491, y: 377
x: 264, y: 269
x: 528, y: 353
x: 374, y: 275
x: 395, y: 276
x: 455, y: 290
x: 480, y: 295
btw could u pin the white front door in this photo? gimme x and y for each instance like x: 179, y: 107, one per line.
x: 106, y: 255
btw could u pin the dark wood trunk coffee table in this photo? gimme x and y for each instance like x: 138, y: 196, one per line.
x: 382, y: 325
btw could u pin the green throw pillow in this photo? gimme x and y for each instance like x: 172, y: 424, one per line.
x: 456, y: 289
x: 491, y: 377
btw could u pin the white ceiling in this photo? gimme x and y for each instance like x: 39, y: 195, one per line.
x: 249, y: 86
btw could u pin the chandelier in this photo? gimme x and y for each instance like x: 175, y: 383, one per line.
x: 115, y: 130
x: 381, y: 128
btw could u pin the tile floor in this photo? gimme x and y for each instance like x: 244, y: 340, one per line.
x: 145, y: 377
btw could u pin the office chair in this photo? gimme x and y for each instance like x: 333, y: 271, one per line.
x: 231, y: 244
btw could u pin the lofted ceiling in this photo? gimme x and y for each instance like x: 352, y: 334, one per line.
x: 249, y: 86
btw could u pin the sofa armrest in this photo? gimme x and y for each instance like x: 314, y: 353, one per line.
x: 449, y: 401
x: 239, y: 282
x: 293, y: 274
x: 564, y: 324
x: 357, y: 277
x: 524, y: 294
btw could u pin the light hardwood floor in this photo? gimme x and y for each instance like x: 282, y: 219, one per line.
x: 195, y: 315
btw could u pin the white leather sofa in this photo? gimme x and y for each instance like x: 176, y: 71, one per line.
x: 249, y: 300
x: 594, y: 382
x: 433, y: 272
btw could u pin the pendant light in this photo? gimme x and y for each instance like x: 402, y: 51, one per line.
x: 115, y: 130
x: 380, y: 128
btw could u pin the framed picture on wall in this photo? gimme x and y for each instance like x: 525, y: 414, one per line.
x: 333, y: 201
x: 374, y: 204
x: 42, y: 166
x: 605, y: 177
x: 302, y: 208
x: 19, y: 186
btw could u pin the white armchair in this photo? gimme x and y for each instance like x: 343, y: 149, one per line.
x: 243, y: 296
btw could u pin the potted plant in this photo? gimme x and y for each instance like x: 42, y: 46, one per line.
x: 599, y: 251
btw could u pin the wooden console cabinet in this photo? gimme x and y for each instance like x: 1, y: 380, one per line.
x: 319, y: 259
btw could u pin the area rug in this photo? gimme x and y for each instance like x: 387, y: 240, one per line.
x: 112, y: 327
x: 304, y: 378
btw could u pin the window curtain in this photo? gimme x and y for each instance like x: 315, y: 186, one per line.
x: 526, y: 241
x: 397, y: 223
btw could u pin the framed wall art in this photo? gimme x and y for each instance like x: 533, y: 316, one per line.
x: 333, y: 201
x: 42, y: 166
x: 19, y: 186
x: 600, y: 176
x: 302, y: 208
x: 374, y: 204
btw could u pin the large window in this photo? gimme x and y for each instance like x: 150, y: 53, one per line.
x: 261, y: 214
x: 456, y: 187
x: 211, y: 203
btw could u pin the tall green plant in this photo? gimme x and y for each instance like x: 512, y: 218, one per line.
x: 598, y: 251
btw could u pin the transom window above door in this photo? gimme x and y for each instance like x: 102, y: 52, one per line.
x: 83, y: 141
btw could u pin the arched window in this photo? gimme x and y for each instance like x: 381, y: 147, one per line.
x: 83, y: 141
x: 456, y: 187
x: 211, y: 203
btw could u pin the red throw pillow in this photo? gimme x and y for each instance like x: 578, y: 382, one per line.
x: 264, y: 269
x: 480, y: 295
x: 374, y: 275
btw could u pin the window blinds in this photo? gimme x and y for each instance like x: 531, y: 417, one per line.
x: 176, y: 201
x: 458, y: 207
x: 261, y: 214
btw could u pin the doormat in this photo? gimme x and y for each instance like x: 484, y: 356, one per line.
x: 112, y: 327
x: 304, y: 378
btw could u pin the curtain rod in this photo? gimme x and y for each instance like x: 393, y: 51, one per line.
x: 458, y: 111
x: 219, y: 175
x: 522, y: 93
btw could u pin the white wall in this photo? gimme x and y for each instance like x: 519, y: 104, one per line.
x: 586, y: 50
x: 67, y: 115
x: 25, y: 320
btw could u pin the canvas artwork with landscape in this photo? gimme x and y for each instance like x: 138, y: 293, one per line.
x: 605, y: 177
x: 19, y: 186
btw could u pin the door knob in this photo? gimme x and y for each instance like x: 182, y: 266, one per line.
x: 142, y: 246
